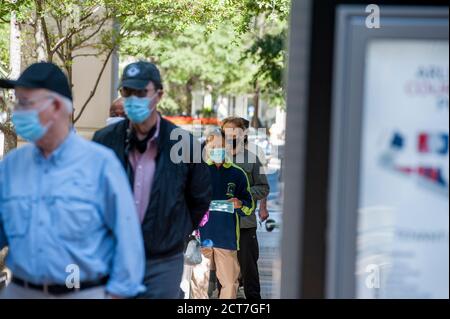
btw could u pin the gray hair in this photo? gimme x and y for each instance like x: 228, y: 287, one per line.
x: 212, y: 132
x: 68, y: 104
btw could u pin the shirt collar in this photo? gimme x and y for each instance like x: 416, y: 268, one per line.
x: 158, y: 124
x: 226, y: 164
x: 155, y: 136
x: 59, y: 153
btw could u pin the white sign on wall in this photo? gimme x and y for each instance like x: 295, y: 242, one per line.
x: 403, y: 226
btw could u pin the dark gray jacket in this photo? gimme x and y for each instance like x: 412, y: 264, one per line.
x: 180, y: 194
x: 259, y: 187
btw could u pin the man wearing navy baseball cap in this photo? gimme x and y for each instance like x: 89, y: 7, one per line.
x: 65, y: 204
x: 171, y: 197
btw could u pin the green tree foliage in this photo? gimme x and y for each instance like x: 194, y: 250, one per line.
x: 196, y: 59
x: 266, y: 20
x: 61, y: 29
x: 242, y: 48
x: 268, y: 53
x: 224, y: 46
x: 4, y: 46
x: 274, y: 11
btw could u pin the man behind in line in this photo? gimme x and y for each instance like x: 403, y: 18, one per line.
x: 236, y: 129
x: 171, y: 197
x: 116, y: 112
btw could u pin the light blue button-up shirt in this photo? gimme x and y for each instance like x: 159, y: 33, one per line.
x: 73, y: 209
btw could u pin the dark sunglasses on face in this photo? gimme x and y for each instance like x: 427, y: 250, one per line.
x: 234, y: 142
x: 127, y: 92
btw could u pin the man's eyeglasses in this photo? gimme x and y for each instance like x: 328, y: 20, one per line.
x: 127, y: 92
x: 21, y: 105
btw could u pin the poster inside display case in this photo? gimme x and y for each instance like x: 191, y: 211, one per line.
x: 403, y: 215
x: 389, y: 193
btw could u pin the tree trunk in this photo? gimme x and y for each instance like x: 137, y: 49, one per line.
x: 10, y: 141
x: 68, y: 63
x: 255, y: 121
x: 40, y: 42
x: 188, y: 92
x: 41, y: 35
x: 260, y: 20
x: 10, y: 137
x: 14, y: 47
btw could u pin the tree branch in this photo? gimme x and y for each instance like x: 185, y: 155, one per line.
x: 84, y: 55
x: 60, y: 55
x: 91, y: 95
x: 91, y: 35
x: 58, y: 25
x: 74, y: 31
x: 62, y: 40
x: 91, y: 12
x: 44, y: 28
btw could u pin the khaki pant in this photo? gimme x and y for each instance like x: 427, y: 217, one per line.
x: 225, y: 263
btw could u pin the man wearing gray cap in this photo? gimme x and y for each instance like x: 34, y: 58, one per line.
x: 171, y: 197
x: 66, y: 210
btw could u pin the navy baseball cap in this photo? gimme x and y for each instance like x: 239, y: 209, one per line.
x: 42, y: 75
x: 137, y: 75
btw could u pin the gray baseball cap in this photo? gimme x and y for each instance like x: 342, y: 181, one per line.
x: 137, y: 75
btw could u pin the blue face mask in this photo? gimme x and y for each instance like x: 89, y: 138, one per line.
x: 28, y: 125
x: 138, y: 108
x: 217, y: 155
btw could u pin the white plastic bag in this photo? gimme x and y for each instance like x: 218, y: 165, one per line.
x: 193, y: 256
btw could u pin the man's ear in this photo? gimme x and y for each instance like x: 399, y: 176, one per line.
x: 159, y: 96
x: 58, y: 104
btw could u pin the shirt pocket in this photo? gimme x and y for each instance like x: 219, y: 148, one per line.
x: 75, y: 214
x: 16, y: 217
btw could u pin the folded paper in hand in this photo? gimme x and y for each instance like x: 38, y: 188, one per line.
x: 222, y: 206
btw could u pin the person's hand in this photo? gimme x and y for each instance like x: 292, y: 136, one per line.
x: 263, y: 213
x: 236, y: 202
